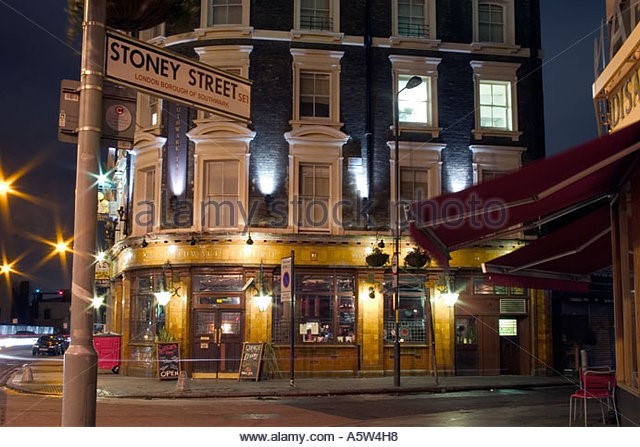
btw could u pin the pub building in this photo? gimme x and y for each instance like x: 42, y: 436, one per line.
x: 206, y: 206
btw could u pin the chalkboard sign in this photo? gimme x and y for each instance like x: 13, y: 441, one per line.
x: 168, y: 360
x: 250, y: 361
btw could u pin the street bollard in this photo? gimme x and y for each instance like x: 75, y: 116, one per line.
x: 183, y: 382
x: 27, y: 374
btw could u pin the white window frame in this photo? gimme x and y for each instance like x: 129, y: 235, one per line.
x: 316, y: 145
x: 331, y: 35
x: 427, y: 68
x: 305, y: 210
x: 226, y: 212
x: 219, y: 141
x: 500, y: 72
x: 494, y: 158
x: 334, y: 17
x: 508, y: 9
x: 224, y: 31
x: 146, y: 106
x: 230, y: 58
x: 147, y: 157
x: 318, y: 61
x: 425, y: 155
x: 429, y: 24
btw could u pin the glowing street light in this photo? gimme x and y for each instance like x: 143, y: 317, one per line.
x: 97, y: 302
x: 5, y: 187
x: 61, y: 247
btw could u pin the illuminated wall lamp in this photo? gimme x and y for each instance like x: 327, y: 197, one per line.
x: 450, y: 298
x: 263, y: 301
x: 165, y: 293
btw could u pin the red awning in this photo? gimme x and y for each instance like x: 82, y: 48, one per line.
x: 537, y: 193
x: 562, y: 260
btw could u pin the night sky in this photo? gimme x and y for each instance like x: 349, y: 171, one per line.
x: 35, y: 57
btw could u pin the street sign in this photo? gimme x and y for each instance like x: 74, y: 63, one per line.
x: 118, y: 113
x: 286, y: 278
x: 162, y: 73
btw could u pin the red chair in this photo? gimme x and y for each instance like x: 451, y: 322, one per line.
x: 594, y: 384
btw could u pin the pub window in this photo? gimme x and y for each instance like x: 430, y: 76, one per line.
x: 482, y: 287
x: 147, y: 316
x: 325, y: 310
x: 412, y: 315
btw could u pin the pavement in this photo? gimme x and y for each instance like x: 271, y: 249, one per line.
x: 45, y: 378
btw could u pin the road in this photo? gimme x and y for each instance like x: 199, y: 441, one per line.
x: 542, y: 407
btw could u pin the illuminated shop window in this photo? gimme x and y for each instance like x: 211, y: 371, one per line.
x: 325, y: 310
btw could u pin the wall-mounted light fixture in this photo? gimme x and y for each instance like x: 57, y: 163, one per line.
x: 263, y: 298
x: 372, y: 293
x: 144, y: 242
x: 193, y: 240
x: 167, y: 290
x: 249, y: 241
x: 448, y: 295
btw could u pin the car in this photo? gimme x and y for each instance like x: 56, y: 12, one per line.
x: 50, y: 345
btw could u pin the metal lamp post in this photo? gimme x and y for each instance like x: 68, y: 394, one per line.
x: 80, y: 372
x: 413, y: 82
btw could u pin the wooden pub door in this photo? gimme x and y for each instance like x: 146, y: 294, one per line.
x: 216, y: 342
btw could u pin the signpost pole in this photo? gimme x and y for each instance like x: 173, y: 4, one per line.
x: 292, y: 337
x: 80, y: 371
x: 287, y: 293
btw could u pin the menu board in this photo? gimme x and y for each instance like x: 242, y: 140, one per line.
x: 168, y: 360
x: 250, y: 361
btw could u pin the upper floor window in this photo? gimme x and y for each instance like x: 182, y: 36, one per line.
x: 414, y: 104
x: 494, y: 22
x: 315, y: 193
x: 490, y: 23
x: 419, y: 174
x: 315, y: 175
x: 148, y: 112
x: 414, y: 183
x: 145, y: 192
x: 414, y: 18
x: 495, y: 104
x: 224, y: 13
x: 417, y: 106
x: 233, y: 59
x: 316, y: 87
x: 490, y: 162
x: 495, y: 85
x: 220, y: 194
x: 317, y: 15
x: 411, y: 16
